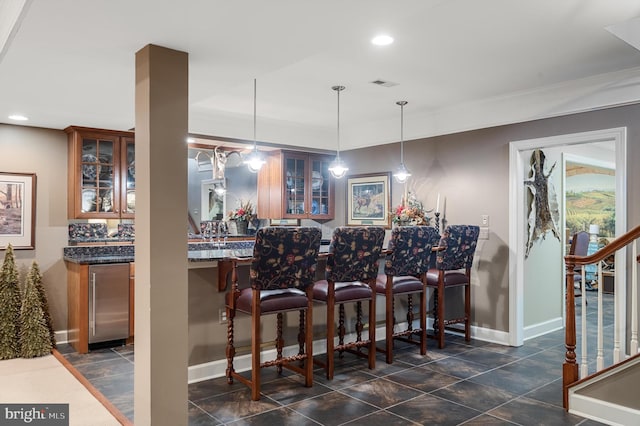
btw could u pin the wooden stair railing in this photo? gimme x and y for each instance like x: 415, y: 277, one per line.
x: 570, y: 367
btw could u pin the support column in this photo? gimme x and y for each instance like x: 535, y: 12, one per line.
x: 161, y: 293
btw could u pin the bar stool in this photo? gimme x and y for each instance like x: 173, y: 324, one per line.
x: 351, y: 271
x: 281, y: 276
x: 405, y: 275
x: 453, y: 269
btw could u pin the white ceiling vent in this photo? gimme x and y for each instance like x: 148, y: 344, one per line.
x: 384, y: 83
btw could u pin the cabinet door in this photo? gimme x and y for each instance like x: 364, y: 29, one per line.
x: 128, y: 178
x: 98, y: 175
x: 295, y: 191
x: 321, y: 188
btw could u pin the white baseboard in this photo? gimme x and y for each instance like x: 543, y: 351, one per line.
x: 61, y: 336
x: 542, y: 328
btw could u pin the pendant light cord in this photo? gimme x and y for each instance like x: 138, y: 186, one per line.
x: 338, y: 89
x: 255, y: 143
x: 402, y: 104
x: 338, y: 127
x: 402, y: 134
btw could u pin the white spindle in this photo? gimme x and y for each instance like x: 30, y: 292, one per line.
x: 634, y: 298
x: 600, y: 353
x: 584, y: 364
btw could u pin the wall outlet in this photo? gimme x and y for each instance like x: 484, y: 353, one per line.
x: 222, y: 314
x: 484, y: 220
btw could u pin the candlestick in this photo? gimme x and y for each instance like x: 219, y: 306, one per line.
x: 437, y: 214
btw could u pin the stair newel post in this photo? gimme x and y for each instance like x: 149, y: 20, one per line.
x: 569, y: 368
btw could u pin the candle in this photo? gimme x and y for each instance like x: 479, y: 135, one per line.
x: 438, y: 204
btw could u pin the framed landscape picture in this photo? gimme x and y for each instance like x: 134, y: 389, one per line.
x: 369, y: 199
x: 17, y: 210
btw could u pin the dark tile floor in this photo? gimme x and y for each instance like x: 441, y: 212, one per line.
x: 473, y: 384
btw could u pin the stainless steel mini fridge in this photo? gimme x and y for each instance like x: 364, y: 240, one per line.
x: 108, y: 302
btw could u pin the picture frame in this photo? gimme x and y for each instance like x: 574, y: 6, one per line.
x: 369, y: 199
x: 17, y: 210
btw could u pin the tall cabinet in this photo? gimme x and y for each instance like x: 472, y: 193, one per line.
x: 296, y: 185
x: 101, y: 181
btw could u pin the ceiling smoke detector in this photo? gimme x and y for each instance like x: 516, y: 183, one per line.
x: 384, y: 83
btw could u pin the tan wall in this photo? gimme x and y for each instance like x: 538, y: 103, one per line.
x: 43, y: 152
x: 470, y: 170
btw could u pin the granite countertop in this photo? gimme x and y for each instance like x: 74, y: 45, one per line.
x: 197, y: 252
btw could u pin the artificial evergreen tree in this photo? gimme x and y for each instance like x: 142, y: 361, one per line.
x: 10, y: 300
x: 35, y: 338
x: 36, y: 277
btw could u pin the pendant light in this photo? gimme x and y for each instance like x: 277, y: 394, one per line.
x: 338, y: 168
x: 254, y: 161
x: 402, y: 174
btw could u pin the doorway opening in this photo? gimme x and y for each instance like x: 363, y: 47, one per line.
x: 519, y: 160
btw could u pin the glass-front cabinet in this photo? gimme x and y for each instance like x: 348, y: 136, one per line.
x: 296, y: 185
x: 101, y: 174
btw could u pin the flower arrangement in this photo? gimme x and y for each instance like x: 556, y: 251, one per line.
x: 410, y: 212
x: 244, y: 212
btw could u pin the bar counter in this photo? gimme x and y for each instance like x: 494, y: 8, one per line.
x: 197, y: 252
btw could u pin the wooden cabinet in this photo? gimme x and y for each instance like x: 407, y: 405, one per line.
x: 296, y: 185
x: 101, y: 182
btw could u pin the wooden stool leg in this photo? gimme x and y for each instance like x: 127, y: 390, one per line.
x: 279, y: 340
x: 440, y: 315
x: 423, y: 322
x: 255, y: 347
x: 308, y: 339
x: 372, y: 331
x: 231, y: 350
x: 389, y: 323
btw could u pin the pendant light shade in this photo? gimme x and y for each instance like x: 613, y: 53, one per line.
x: 338, y: 168
x: 254, y: 161
x: 402, y: 174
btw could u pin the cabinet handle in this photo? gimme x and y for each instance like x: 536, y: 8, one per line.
x: 93, y: 303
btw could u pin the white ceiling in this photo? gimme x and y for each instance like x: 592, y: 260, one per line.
x: 460, y: 64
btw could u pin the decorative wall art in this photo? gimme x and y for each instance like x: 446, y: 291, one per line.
x: 543, y: 211
x: 369, y: 199
x: 17, y: 210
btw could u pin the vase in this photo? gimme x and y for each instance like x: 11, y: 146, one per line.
x: 242, y: 227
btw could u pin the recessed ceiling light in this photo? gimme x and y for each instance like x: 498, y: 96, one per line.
x: 382, y: 40
x: 18, y: 117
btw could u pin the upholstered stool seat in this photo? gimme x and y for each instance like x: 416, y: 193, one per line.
x: 281, y: 300
x: 400, y: 285
x: 451, y: 278
x: 344, y: 292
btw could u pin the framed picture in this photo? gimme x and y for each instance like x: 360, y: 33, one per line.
x: 369, y: 199
x: 17, y: 210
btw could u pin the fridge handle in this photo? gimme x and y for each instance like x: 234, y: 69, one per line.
x: 93, y: 303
